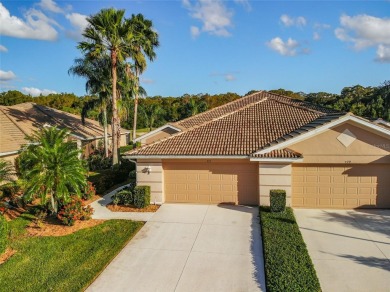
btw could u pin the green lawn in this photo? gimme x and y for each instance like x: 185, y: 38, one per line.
x: 288, y: 266
x: 66, y: 263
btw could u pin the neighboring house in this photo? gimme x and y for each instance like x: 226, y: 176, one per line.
x: 23, y: 119
x: 238, y: 152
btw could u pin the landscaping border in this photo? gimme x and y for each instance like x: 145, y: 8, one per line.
x: 288, y: 266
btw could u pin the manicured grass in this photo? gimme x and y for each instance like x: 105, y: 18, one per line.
x: 66, y: 263
x: 288, y: 266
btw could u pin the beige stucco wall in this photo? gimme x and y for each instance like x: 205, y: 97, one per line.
x: 369, y: 147
x: 154, y: 178
x: 274, y: 176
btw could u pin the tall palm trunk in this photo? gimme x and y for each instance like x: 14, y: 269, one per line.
x: 115, y: 117
x: 135, y: 105
x: 105, y: 132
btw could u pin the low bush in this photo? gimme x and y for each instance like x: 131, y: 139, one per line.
x: 124, y: 197
x: 141, y: 196
x: 3, y: 234
x: 277, y: 200
x: 288, y: 266
x: 89, y: 191
x: 126, y: 148
x: 97, y: 161
x: 133, y: 174
x: 109, y: 177
x: 74, y: 211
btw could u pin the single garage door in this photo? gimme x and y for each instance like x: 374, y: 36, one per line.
x: 341, y: 186
x: 212, y: 183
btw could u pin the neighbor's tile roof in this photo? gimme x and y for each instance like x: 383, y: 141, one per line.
x: 239, y: 128
x: 21, y: 119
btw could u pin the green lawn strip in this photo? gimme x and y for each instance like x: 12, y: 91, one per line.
x: 288, y: 266
x: 66, y: 263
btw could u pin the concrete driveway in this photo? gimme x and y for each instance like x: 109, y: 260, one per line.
x: 350, y: 249
x: 187, y: 247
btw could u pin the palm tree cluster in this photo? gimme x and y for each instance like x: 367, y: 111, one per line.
x: 115, y: 53
x: 50, y: 167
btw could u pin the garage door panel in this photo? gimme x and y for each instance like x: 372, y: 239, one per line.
x: 349, y: 186
x: 211, y: 183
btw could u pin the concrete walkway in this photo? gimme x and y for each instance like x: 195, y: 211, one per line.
x: 350, y: 249
x: 102, y: 212
x: 186, y: 247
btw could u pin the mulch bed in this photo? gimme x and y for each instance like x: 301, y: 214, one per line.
x: 9, y: 252
x: 13, y: 213
x: 53, y: 227
x: 122, y: 208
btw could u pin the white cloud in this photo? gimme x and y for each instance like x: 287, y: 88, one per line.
x: 229, y: 77
x: 147, y: 81
x: 37, y: 92
x: 79, y: 22
x: 245, y: 4
x: 50, y: 5
x: 35, y: 26
x: 195, y: 31
x: 216, y: 18
x: 366, y: 31
x: 289, y: 48
x: 287, y: 20
x: 316, y: 36
x: 7, y: 75
x: 383, y: 54
x: 3, y: 49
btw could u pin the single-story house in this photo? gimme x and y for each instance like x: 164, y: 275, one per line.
x: 23, y: 119
x: 238, y: 152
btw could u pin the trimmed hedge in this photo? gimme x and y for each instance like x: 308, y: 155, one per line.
x: 288, y: 266
x: 3, y: 234
x: 142, y: 196
x: 124, y: 197
x: 277, y: 200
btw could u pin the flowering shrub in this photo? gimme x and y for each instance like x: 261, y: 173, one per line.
x: 89, y: 191
x: 74, y: 211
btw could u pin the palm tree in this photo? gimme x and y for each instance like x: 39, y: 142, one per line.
x: 50, y: 167
x: 108, y: 33
x: 145, y: 40
x: 152, y: 113
x: 7, y: 171
x: 97, y: 73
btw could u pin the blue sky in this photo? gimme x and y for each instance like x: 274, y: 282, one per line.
x: 207, y: 46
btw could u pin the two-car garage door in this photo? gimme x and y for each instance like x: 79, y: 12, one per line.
x: 211, y: 182
x: 341, y: 186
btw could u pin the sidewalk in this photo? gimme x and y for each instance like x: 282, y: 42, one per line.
x: 101, y: 212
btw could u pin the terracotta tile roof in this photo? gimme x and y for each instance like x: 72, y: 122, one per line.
x: 21, y: 119
x: 11, y: 137
x: 237, y: 128
x: 283, y: 153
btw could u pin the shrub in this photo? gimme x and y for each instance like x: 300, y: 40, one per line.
x: 277, y: 200
x: 126, y: 148
x: 133, y: 174
x: 89, y: 191
x: 288, y: 266
x: 141, y: 196
x: 124, y: 197
x: 3, y: 234
x: 97, y: 161
x: 74, y: 211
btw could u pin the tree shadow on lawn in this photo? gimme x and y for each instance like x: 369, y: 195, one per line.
x: 256, y: 244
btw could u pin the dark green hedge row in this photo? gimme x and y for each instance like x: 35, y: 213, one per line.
x: 288, y: 266
x: 138, y: 196
x: 277, y: 200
